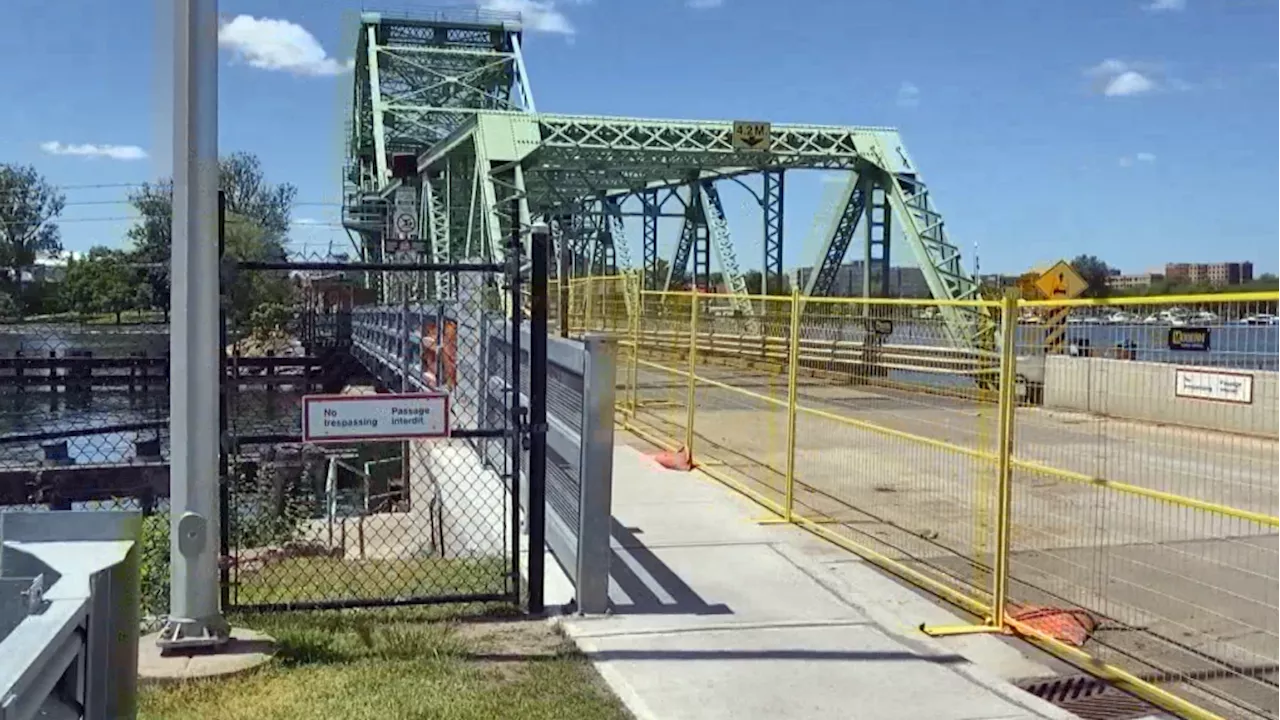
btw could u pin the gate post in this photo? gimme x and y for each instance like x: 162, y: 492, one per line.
x: 537, y: 472
x: 595, y: 499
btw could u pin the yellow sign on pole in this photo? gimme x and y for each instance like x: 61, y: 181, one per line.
x: 1061, y: 282
x: 751, y: 135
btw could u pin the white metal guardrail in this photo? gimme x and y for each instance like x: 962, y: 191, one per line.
x: 69, y: 615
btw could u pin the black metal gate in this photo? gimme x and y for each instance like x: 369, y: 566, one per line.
x: 366, y: 523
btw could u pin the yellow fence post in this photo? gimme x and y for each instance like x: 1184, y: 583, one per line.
x: 693, y: 383
x: 1004, y: 440
x: 1004, y: 477
x: 793, y: 367
x: 633, y: 367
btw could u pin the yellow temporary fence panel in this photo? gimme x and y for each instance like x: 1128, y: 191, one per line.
x: 1116, y: 505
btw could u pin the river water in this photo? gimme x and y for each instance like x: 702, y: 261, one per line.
x: 31, y: 410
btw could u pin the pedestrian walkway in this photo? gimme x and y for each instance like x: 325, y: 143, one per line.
x: 718, y: 616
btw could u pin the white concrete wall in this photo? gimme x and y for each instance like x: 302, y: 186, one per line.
x: 1145, y: 391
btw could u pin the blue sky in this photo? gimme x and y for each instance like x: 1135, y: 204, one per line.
x: 1143, y: 131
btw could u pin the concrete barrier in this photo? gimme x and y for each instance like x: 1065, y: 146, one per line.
x: 1150, y: 391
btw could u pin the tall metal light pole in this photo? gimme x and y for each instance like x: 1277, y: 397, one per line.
x: 195, y: 618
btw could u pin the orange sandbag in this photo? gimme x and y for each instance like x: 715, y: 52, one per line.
x: 677, y: 460
x: 1070, y: 626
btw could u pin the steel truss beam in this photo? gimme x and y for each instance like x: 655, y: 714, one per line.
x: 416, y: 81
x: 875, y: 257
x: 617, y: 234
x: 847, y: 211
x: 436, y: 210
x: 652, y: 207
x: 771, y: 208
x: 458, y: 94
x: 684, y: 246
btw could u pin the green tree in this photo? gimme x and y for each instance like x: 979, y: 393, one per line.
x: 248, y: 195
x: 103, y: 281
x: 1096, y: 275
x: 29, y: 204
x: 259, y: 301
x: 8, y: 306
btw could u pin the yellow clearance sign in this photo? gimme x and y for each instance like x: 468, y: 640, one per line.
x: 750, y: 135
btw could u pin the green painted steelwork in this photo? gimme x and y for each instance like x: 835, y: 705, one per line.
x: 454, y: 93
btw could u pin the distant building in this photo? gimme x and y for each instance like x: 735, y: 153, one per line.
x: 907, y: 282
x: 1120, y: 281
x: 1224, y: 273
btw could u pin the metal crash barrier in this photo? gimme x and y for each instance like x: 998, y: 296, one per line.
x: 69, y: 615
x: 579, y: 466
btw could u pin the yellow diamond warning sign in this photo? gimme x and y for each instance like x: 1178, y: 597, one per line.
x: 1061, y: 282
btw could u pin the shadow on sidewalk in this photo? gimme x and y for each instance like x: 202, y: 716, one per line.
x: 645, y: 595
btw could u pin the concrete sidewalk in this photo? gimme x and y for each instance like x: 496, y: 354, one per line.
x: 717, y: 616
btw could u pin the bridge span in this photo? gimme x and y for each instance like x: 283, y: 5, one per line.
x: 1116, y: 505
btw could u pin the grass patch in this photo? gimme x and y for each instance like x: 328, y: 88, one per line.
x: 303, y: 579
x: 128, y: 317
x: 398, y: 663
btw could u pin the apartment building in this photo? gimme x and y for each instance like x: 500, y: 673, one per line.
x: 907, y: 282
x: 1223, y: 273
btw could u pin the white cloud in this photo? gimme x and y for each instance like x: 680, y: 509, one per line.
x: 536, y: 15
x: 1157, y: 6
x: 271, y: 44
x: 1117, y: 78
x: 1129, y: 82
x: 307, y: 221
x: 908, y: 95
x: 704, y: 4
x: 1142, y: 157
x: 90, y: 150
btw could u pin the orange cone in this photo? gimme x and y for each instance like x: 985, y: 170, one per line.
x: 677, y: 460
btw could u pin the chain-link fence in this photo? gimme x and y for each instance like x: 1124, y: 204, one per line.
x: 391, y: 518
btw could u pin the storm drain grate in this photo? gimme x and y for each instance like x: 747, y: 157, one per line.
x: 1089, y: 698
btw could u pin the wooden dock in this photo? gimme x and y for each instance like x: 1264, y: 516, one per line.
x: 80, y: 371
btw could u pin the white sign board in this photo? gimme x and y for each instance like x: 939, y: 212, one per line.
x: 404, y: 216
x: 1211, y: 385
x: 346, y: 418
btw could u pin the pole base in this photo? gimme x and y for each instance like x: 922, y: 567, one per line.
x: 950, y: 630
x: 184, y: 634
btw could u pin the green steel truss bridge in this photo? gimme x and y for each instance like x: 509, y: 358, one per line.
x: 447, y: 150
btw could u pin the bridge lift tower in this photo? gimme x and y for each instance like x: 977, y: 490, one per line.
x: 443, y: 113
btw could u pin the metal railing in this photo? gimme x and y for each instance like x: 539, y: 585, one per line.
x: 1102, y: 484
